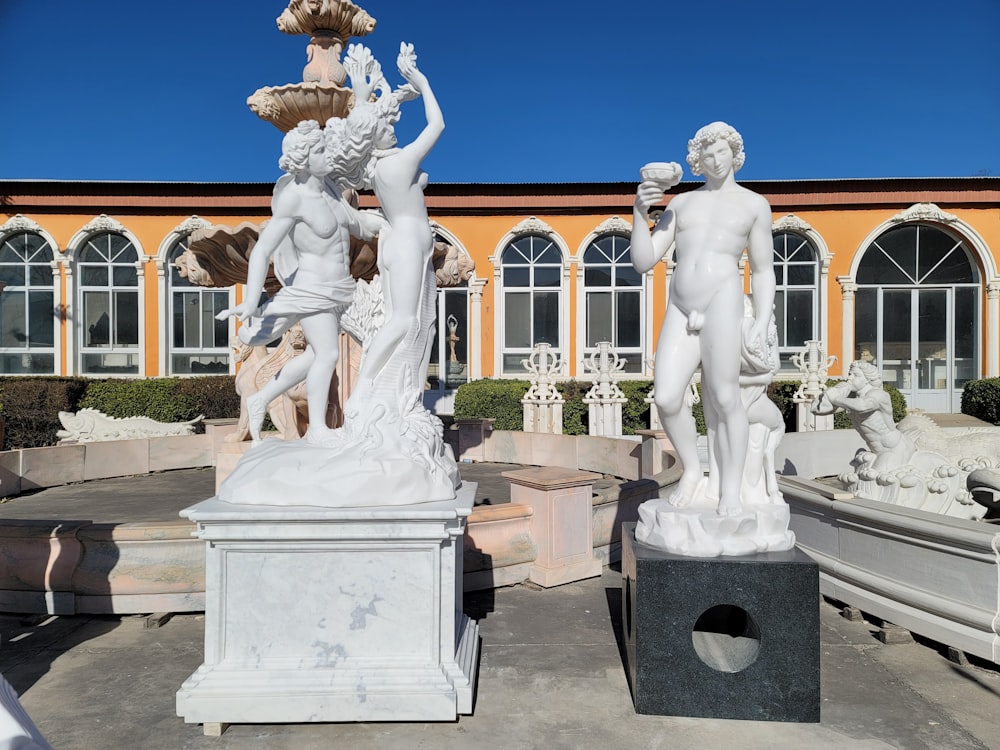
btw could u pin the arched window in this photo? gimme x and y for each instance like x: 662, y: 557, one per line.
x: 613, y: 299
x: 531, y: 276
x: 796, y: 298
x: 107, y: 269
x: 28, y: 317
x: 917, y: 313
x: 198, y: 343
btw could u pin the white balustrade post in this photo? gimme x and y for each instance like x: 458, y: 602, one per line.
x: 605, y: 399
x: 813, y: 366
x: 542, y: 403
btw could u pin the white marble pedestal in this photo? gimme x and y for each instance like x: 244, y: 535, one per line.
x: 333, y: 614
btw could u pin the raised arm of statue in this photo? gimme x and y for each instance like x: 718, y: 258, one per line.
x: 423, y: 143
x: 857, y: 404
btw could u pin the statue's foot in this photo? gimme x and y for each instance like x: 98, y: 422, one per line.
x: 256, y: 411
x: 321, y: 436
x: 683, y: 494
x: 729, y: 508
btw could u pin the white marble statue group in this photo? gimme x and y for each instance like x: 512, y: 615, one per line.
x: 737, y: 508
x: 390, y: 449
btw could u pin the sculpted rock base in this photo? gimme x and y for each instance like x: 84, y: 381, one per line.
x: 380, y: 458
x: 697, y: 530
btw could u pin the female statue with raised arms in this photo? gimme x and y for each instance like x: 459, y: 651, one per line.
x: 406, y: 245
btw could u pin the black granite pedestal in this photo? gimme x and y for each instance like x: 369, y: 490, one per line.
x: 723, y: 637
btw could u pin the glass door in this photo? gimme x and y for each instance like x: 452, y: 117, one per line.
x: 932, y: 351
x: 896, y: 356
x: 448, y: 366
x: 925, y: 341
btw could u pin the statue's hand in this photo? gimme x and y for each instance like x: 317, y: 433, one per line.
x: 244, y: 311
x: 407, y: 63
x: 648, y: 194
x: 760, y: 337
x: 406, y: 93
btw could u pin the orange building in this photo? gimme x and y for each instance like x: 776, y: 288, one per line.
x: 904, y: 272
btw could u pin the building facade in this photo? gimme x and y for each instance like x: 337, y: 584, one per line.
x: 903, y: 272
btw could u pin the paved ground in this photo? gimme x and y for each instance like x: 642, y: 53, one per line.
x: 550, y: 673
x: 550, y: 676
x: 159, y: 497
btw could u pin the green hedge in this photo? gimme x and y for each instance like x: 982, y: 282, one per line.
x: 575, y: 413
x: 156, y: 398
x: 31, y: 405
x: 635, y: 414
x: 501, y: 400
x: 31, y: 408
x: 165, y: 399
x: 492, y: 399
x: 981, y: 399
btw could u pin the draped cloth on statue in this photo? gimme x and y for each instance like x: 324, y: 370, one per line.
x: 391, y: 450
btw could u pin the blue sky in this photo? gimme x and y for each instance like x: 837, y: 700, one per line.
x: 548, y: 91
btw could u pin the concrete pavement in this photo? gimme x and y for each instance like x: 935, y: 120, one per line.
x: 550, y: 675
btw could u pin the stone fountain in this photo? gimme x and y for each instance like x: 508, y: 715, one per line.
x: 322, y: 94
x: 218, y: 255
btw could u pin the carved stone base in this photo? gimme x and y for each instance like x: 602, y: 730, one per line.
x: 700, y: 531
x: 321, y: 615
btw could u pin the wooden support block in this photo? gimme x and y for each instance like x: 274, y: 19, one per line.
x: 157, y: 620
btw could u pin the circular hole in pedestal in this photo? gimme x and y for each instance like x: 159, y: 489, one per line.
x: 726, y: 638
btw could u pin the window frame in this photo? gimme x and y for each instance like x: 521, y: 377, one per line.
x: 531, y: 227
x: 635, y: 356
x: 85, y: 241
x: 783, y: 288
x: 21, y: 227
x: 175, y: 285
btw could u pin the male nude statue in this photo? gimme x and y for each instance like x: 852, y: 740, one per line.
x: 308, y: 237
x: 870, y: 410
x: 708, y: 229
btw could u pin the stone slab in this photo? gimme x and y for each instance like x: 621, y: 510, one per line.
x: 51, y: 466
x: 180, y: 452
x: 115, y: 458
x: 10, y: 473
x: 550, y: 477
x: 726, y: 638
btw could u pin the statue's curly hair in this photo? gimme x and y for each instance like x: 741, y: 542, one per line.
x: 709, y: 134
x: 870, y: 371
x: 349, y: 144
x: 297, y: 144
